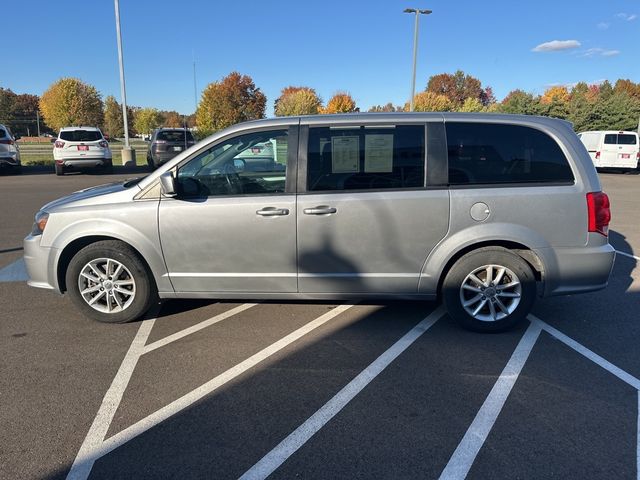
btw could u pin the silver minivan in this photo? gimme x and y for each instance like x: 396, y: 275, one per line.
x: 482, y: 211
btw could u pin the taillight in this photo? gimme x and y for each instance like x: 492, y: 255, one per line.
x: 7, y: 142
x: 597, y: 155
x: 58, y: 144
x: 103, y: 144
x: 599, y: 212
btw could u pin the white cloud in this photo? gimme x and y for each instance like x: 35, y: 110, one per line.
x: 603, y: 25
x: 629, y: 17
x: 556, y: 45
x: 600, y: 52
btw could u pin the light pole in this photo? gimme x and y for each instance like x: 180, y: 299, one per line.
x: 417, y: 13
x: 128, y: 154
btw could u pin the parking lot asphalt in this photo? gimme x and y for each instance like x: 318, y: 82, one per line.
x: 392, y: 390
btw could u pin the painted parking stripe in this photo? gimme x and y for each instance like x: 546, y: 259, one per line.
x: 581, y: 349
x: 85, y: 458
x: 199, y: 326
x: 465, y: 454
x: 627, y: 255
x: 212, y: 385
x: 14, y: 272
x: 276, y: 457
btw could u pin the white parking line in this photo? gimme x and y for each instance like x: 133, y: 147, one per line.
x: 14, y: 272
x: 594, y: 357
x: 627, y: 255
x: 276, y: 457
x: 86, y: 455
x: 196, y: 327
x: 465, y: 454
x: 99, y: 450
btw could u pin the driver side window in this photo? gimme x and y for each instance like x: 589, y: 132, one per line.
x: 254, y: 163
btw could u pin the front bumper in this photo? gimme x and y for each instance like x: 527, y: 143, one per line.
x: 576, y: 270
x: 40, y: 263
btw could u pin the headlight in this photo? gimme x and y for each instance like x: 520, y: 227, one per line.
x: 40, y: 223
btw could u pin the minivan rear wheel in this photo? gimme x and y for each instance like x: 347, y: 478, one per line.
x: 109, y: 282
x: 489, y: 290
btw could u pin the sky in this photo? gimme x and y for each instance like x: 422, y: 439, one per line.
x: 362, y: 47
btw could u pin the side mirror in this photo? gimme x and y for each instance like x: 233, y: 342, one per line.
x: 168, y: 184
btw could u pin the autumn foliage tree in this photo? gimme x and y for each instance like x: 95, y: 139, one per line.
x: 430, y: 102
x: 147, y: 119
x: 233, y: 99
x: 113, y: 124
x: 341, y: 102
x: 459, y: 86
x: 297, y: 101
x: 69, y: 101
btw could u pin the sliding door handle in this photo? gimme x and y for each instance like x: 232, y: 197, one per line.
x: 320, y: 210
x: 272, y: 212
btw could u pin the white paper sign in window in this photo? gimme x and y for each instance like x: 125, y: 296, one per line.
x: 378, y: 153
x: 345, y: 154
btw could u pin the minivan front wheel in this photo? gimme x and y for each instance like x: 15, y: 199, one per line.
x: 109, y: 282
x: 489, y: 290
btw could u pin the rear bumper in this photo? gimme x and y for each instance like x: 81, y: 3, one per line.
x: 162, y: 157
x: 40, y: 263
x: 84, y: 162
x: 10, y: 159
x: 576, y: 270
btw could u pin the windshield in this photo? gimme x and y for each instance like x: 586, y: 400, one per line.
x: 80, y: 135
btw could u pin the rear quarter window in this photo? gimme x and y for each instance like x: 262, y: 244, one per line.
x: 484, y: 153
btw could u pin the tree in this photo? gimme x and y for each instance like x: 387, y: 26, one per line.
x: 113, y: 123
x: 341, y: 102
x: 24, y: 113
x: 627, y: 86
x: 7, y: 97
x: 557, y: 93
x: 147, y: 119
x: 70, y: 101
x: 385, y: 108
x: 173, y: 119
x: 430, y: 102
x: 518, y: 101
x: 459, y: 86
x: 297, y: 101
x: 471, y: 105
x: 233, y: 99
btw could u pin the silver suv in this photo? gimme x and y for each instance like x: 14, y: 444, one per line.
x: 485, y: 212
x: 9, y: 150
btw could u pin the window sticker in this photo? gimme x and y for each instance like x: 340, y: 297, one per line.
x: 378, y: 153
x: 345, y: 154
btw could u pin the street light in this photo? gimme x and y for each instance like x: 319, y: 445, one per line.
x: 417, y: 12
x: 128, y: 155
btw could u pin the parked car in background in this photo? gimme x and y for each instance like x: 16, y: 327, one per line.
x: 612, y: 149
x: 166, y: 143
x: 81, y: 147
x: 482, y: 211
x: 9, y: 150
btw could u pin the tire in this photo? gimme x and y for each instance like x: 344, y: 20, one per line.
x: 495, y: 309
x: 111, y: 306
x: 17, y: 170
x: 107, y: 169
x: 59, y: 169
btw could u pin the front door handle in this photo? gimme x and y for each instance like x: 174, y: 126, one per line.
x: 272, y: 212
x: 320, y: 210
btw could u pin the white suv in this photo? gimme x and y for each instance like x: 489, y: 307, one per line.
x: 81, y: 147
x: 9, y: 152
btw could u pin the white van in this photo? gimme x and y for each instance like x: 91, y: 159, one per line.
x: 611, y: 149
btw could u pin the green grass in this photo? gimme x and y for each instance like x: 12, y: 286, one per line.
x: 42, y: 154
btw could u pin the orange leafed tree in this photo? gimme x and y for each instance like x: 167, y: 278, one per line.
x: 341, y: 102
x: 557, y: 93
